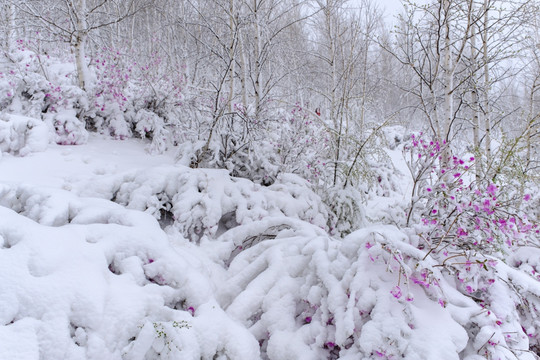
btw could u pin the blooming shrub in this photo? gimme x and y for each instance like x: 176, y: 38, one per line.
x: 472, y: 229
x: 458, y: 213
x: 34, y: 85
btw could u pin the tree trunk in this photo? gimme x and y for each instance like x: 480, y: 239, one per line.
x: 80, y: 61
x: 448, y: 84
x: 487, y: 121
x: 11, y: 28
x: 448, y: 74
x: 243, y: 74
x: 80, y: 13
x: 232, y: 25
x: 475, y: 105
x: 258, y: 72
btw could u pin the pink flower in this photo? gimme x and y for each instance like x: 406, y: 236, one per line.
x: 420, y: 282
x: 461, y: 232
x: 491, y: 189
x: 396, y: 292
x: 527, y: 197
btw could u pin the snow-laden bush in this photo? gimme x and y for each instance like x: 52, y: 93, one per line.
x: 68, y: 129
x: 260, y: 148
x: 21, y: 135
x: 88, y: 279
x: 347, y: 204
x: 301, y: 143
x: 474, y: 230
x: 458, y: 211
x: 373, y: 295
x: 137, y: 97
x: 202, y: 203
x: 148, y: 124
x: 39, y: 87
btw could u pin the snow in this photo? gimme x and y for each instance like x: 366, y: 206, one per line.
x: 108, y: 252
x: 62, y: 166
x: 22, y: 135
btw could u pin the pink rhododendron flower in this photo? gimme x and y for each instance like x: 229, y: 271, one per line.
x: 396, y: 292
x: 491, y: 189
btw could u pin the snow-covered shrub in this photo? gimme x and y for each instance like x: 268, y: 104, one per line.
x: 300, y: 141
x: 348, y: 207
x: 245, y: 150
x: 203, y: 203
x: 37, y: 86
x: 473, y: 229
x: 148, y: 124
x: 68, y: 129
x: 157, y: 300
x: 372, y: 295
x: 109, y: 94
x: 21, y: 135
x: 237, y: 142
x: 260, y: 148
x: 136, y: 95
x: 459, y: 212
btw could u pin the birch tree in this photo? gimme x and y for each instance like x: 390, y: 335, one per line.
x: 8, y: 24
x: 432, y: 42
x: 342, y: 50
x: 74, y: 21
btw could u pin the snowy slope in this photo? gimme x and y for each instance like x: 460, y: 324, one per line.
x: 110, y: 253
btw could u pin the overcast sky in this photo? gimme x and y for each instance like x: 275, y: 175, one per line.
x: 391, y: 6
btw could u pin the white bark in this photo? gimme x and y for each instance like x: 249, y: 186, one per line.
x: 257, y: 45
x: 448, y: 73
x: 80, y: 14
x: 234, y: 30
x: 475, y: 105
x: 487, y: 120
x: 243, y: 74
x: 11, y: 26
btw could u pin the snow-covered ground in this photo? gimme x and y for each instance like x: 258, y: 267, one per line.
x: 107, y: 252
